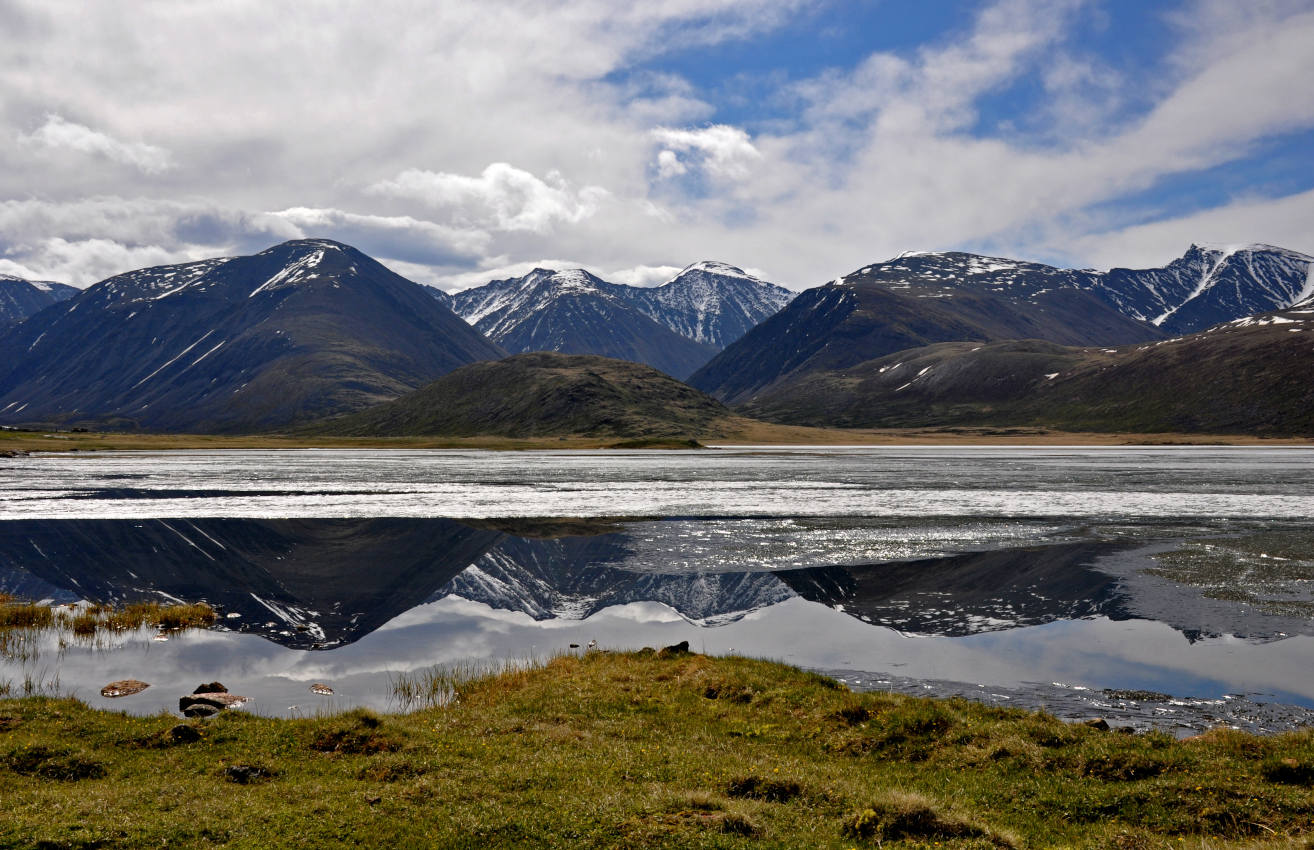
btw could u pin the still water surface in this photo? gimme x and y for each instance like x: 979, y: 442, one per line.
x: 1031, y: 576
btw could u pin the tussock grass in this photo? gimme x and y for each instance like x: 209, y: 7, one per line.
x: 619, y: 750
x: 24, y: 615
x: 86, y: 621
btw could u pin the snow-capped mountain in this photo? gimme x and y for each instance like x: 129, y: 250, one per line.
x: 21, y: 298
x: 711, y: 302
x: 923, y: 298
x: 303, y: 330
x: 574, y: 312
x: 1209, y: 285
x: 913, y: 300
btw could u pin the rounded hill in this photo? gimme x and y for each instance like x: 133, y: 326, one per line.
x: 545, y: 394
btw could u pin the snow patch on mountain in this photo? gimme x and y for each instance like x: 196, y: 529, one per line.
x: 154, y: 283
x: 302, y: 269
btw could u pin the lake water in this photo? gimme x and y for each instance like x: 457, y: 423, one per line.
x: 1154, y: 586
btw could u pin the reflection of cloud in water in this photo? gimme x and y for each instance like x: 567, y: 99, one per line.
x: 918, y: 539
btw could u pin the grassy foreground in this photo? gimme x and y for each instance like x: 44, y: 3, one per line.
x: 626, y: 750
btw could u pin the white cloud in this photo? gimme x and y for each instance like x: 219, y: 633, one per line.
x: 1280, y: 221
x: 502, y: 197
x: 669, y: 165
x: 399, y: 237
x: 643, y: 275
x: 58, y: 133
x: 383, y: 125
x: 83, y: 262
x: 722, y: 151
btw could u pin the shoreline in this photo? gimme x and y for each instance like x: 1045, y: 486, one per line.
x: 651, y: 748
x: 754, y: 435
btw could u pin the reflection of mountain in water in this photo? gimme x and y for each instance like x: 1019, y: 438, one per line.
x: 966, y: 594
x: 570, y: 578
x: 302, y: 583
x: 323, y: 583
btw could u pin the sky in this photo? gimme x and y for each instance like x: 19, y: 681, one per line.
x: 469, y: 140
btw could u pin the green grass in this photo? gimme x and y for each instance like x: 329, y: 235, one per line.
x: 624, y: 750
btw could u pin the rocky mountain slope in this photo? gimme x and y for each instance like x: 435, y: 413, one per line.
x: 919, y: 299
x: 1245, y: 376
x: 907, y: 303
x: 1210, y: 285
x: 711, y: 302
x: 21, y: 298
x: 575, y: 312
x: 544, y: 394
x: 574, y: 577
x: 675, y: 327
x: 303, y: 330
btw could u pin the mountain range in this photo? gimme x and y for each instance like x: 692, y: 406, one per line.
x: 299, y: 582
x: 1249, y: 375
x: 310, y: 330
x: 922, y: 299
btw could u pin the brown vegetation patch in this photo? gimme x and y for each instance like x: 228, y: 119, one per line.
x: 899, y: 816
x: 758, y: 788
x: 50, y: 763
x: 358, y: 732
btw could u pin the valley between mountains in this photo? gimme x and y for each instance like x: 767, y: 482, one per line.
x: 317, y: 340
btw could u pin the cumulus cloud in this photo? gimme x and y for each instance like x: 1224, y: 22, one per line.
x: 86, y: 261
x: 1281, y: 221
x: 722, y: 151
x: 399, y: 237
x: 159, y: 132
x: 502, y: 197
x: 57, y: 133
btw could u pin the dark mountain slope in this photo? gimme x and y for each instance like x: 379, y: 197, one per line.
x: 21, y: 298
x: 545, y: 394
x: 300, y: 331
x: 305, y: 583
x: 1246, y: 376
x: 862, y: 317
x: 919, y: 299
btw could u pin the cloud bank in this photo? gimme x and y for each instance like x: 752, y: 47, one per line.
x: 478, y: 136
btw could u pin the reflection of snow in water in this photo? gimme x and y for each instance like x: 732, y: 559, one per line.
x: 747, y: 510
x: 884, y: 482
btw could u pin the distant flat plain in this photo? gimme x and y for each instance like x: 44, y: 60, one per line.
x: 748, y: 432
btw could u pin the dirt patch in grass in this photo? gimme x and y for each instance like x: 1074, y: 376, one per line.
x: 356, y: 733
x: 759, y: 788
x: 50, y: 763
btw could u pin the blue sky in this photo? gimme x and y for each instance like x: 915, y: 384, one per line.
x: 799, y: 138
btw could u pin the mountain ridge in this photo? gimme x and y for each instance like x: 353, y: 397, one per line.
x: 304, y: 329
x: 922, y: 298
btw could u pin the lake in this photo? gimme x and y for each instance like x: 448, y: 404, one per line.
x: 1157, y: 586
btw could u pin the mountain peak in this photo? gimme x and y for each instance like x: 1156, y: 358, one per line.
x: 714, y: 267
x: 307, y: 245
x: 574, y: 281
x: 1227, y: 250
